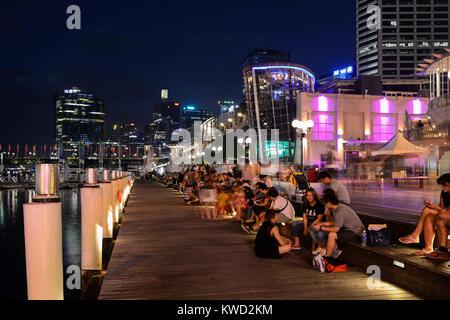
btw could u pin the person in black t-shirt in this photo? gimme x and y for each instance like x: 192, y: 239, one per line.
x: 180, y: 181
x: 269, y: 244
x: 427, y: 218
x: 313, y: 212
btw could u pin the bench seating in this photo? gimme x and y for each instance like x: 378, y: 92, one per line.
x: 430, y: 278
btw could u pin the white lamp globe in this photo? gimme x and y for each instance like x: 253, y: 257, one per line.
x: 296, y: 124
x: 310, y: 124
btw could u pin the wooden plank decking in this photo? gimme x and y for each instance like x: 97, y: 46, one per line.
x: 164, y: 250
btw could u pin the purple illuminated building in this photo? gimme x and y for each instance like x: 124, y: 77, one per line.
x: 353, y: 125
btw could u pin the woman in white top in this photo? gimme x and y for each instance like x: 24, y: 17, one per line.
x: 282, y: 206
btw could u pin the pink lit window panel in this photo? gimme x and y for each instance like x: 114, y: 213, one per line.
x: 324, y: 127
x: 383, y: 128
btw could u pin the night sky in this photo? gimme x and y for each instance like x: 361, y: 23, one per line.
x: 127, y: 51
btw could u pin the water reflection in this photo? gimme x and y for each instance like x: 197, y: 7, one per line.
x: 12, y: 243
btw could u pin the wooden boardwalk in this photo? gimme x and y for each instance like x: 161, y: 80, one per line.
x: 164, y: 250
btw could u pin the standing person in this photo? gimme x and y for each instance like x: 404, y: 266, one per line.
x: 347, y: 225
x: 269, y: 244
x: 313, y: 212
x: 180, y: 181
x: 341, y: 192
x: 281, y: 205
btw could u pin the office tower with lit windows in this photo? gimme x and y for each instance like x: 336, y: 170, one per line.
x: 271, y: 91
x: 79, y: 120
x: 190, y: 114
x: 170, y: 109
x: 225, y: 105
x: 410, y: 31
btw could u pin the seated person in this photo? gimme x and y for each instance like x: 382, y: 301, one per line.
x: 259, y: 196
x: 223, y: 200
x: 313, y: 212
x: 427, y: 220
x: 191, y: 195
x: 320, y: 237
x: 347, y: 225
x: 282, y: 206
x: 442, y: 223
x: 269, y: 243
x: 259, y: 208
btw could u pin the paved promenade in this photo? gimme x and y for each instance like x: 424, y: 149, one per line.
x: 164, y: 250
x: 384, y: 200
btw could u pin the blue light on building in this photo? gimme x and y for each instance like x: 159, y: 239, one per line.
x: 344, y: 73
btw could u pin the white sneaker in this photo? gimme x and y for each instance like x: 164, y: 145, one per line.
x: 336, y: 253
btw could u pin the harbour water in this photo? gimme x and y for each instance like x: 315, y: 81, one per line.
x: 13, y: 285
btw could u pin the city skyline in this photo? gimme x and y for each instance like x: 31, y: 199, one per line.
x: 194, y: 51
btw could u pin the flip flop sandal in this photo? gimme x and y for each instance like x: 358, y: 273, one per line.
x: 408, y: 240
x: 422, y: 253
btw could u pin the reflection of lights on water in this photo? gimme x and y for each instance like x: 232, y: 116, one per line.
x: 2, y: 214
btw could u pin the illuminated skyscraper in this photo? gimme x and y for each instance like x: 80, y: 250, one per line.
x: 407, y: 32
x: 271, y: 91
x: 79, y: 119
x: 190, y: 114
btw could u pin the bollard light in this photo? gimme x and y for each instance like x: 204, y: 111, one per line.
x: 43, y: 237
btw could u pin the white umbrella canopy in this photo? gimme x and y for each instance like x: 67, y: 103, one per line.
x: 398, y: 145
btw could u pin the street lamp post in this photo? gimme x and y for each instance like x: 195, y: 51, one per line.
x: 302, y: 127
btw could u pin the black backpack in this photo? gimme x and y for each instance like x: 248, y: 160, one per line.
x: 380, y: 238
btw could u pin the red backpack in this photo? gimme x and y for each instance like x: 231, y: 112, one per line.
x: 334, y: 266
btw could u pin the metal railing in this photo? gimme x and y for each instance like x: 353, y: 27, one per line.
x: 425, y: 133
x: 439, y: 102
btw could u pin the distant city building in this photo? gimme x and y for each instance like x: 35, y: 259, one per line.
x: 190, y: 114
x: 410, y: 31
x: 225, y: 105
x: 271, y: 91
x: 131, y: 141
x: 234, y: 118
x: 170, y: 109
x: 129, y: 133
x: 164, y: 94
x: 79, y: 119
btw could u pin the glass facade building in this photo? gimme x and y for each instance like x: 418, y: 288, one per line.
x: 79, y: 120
x: 271, y: 91
x: 190, y: 114
x: 407, y: 32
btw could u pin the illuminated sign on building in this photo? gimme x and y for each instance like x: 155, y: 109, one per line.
x: 344, y: 73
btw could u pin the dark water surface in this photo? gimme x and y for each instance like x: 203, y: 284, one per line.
x: 12, y: 242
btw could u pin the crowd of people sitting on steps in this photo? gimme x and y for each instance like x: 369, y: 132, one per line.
x: 328, y: 220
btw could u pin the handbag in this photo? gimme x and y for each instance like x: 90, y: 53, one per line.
x: 379, y: 238
x: 318, y: 263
